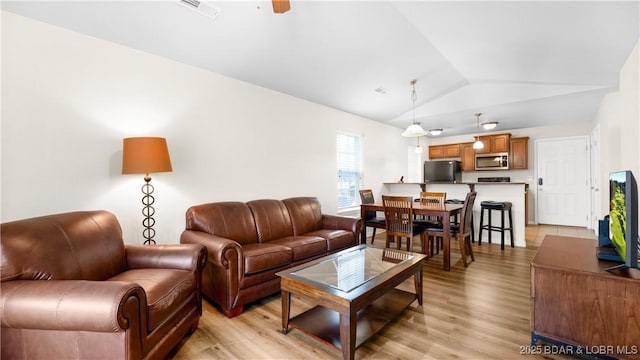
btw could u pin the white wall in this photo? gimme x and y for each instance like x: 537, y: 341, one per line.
x: 69, y: 99
x: 619, y: 120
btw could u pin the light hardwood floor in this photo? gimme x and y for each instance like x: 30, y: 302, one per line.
x: 479, y: 312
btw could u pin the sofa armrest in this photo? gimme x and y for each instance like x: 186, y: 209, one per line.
x: 348, y: 223
x: 184, y: 256
x: 222, y: 252
x: 79, y: 305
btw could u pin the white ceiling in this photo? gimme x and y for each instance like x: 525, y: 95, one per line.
x: 520, y: 63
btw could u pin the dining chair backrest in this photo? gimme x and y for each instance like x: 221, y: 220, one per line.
x: 366, y: 197
x: 398, y: 214
x: 431, y: 197
x: 467, y: 213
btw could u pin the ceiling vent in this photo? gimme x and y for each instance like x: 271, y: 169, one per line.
x: 203, y: 7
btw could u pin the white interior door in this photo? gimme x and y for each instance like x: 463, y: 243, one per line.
x: 595, y: 178
x: 563, y: 181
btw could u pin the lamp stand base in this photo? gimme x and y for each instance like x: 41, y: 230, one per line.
x: 148, y: 211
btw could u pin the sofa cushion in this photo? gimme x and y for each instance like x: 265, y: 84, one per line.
x: 166, y: 289
x: 305, y: 213
x: 264, y: 256
x: 336, y: 239
x: 272, y: 219
x: 231, y: 220
x: 304, y: 246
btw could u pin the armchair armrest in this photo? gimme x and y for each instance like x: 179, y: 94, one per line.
x: 184, y: 256
x: 79, y: 305
x: 342, y: 223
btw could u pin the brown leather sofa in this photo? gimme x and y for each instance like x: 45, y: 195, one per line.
x: 71, y: 289
x: 249, y: 243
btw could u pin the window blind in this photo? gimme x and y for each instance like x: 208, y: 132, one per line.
x: 349, y: 161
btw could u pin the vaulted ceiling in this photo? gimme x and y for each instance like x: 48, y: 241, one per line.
x: 520, y: 63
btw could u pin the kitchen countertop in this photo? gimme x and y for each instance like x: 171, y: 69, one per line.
x: 460, y: 183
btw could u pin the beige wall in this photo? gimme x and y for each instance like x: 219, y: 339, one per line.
x: 619, y: 121
x: 69, y: 99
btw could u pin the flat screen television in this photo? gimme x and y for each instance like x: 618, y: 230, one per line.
x: 442, y: 171
x: 623, y: 217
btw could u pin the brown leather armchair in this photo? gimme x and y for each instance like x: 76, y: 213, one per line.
x: 71, y: 289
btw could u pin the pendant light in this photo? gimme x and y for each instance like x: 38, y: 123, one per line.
x: 478, y: 144
x: 418, y: 148
x: 414, y: 129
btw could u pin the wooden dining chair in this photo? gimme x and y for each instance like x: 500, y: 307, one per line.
x: 462, y: 231
x: 432, y: 197
x: 398, y: 215
x: 371, y: 218
x: 435, y: 199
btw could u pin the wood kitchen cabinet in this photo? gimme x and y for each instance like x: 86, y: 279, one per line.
x: 498, y: 143
x: 444, y: 151
x: 518, y: 159
x: 436, y: 152
x: 468, y: 157
x: 495, y: 143
x: 486, y: 145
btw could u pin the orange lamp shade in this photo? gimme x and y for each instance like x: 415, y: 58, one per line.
x: 144, y: 155
x: 280, y: 6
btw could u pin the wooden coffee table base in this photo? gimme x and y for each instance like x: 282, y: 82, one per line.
x: 324, y: 324
x: 335, y: 326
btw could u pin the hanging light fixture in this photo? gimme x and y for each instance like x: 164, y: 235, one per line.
x: 478, y: 144
x: 418, y: 148
x: 489, y: 125
x: 414, y: 129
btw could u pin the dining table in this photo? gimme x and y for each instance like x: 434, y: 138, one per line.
x: 443, y: 212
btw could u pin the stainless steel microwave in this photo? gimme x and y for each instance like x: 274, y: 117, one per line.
x: 497, y: 161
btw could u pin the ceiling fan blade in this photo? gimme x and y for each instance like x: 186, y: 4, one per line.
x: 280, y: 6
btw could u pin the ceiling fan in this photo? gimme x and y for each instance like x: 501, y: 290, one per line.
x: 206, y: 8
x: 280, y: 6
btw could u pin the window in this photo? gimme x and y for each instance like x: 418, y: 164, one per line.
x: 349, y: 160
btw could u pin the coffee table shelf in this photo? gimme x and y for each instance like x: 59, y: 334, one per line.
x: 324, y: 324
x: 356, y: 292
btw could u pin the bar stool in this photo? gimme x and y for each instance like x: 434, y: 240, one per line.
x: 499, y: 206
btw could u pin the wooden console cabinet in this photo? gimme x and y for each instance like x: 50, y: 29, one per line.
x: 577, y: 303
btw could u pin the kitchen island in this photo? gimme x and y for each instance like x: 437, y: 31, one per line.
x: 514, y: 192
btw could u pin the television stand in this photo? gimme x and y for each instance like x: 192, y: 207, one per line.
x: 578, y: 303
x: 625, y: 271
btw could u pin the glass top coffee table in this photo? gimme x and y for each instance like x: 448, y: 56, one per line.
x: 354, y: 289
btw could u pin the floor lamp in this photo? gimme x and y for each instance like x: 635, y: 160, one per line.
x: 145, y: 155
